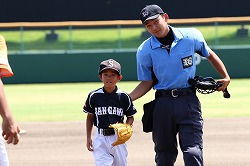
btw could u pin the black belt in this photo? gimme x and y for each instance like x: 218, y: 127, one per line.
x: 174, y: 92
x: 106, y: 132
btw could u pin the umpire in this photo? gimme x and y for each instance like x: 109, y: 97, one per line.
x: 169, y: 54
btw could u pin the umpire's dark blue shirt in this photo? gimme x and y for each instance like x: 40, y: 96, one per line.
x: 109, y: 108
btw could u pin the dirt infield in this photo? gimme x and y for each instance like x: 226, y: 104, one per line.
x: 226, y: 143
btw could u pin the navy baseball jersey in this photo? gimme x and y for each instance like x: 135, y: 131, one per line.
x: 109, y: 108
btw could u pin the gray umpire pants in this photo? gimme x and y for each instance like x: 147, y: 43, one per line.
x: 178, y: 115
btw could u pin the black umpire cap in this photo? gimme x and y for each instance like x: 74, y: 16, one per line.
x: 150, y: 12
x: 109, y: 64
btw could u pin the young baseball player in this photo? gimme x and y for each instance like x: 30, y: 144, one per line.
x: 9, y: 128
x: 105, y: 106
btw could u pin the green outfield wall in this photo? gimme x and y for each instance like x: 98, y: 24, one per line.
x: 82, y: 67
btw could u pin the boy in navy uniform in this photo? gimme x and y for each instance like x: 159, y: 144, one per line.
x: 105, y: 106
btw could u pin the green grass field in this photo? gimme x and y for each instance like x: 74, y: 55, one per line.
x: 109, y: 38
x: 64, y: 101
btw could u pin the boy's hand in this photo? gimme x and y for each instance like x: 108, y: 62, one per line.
x: 10, y: 130
x: 89, y: 145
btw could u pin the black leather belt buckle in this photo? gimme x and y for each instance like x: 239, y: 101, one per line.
x: 108, y: 132
x: 173, y: 92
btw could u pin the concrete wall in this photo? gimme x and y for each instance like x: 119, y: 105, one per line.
x: 84, y: 10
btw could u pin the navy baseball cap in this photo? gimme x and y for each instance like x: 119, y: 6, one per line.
x: 150, y: 12
x: 109, y: 64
